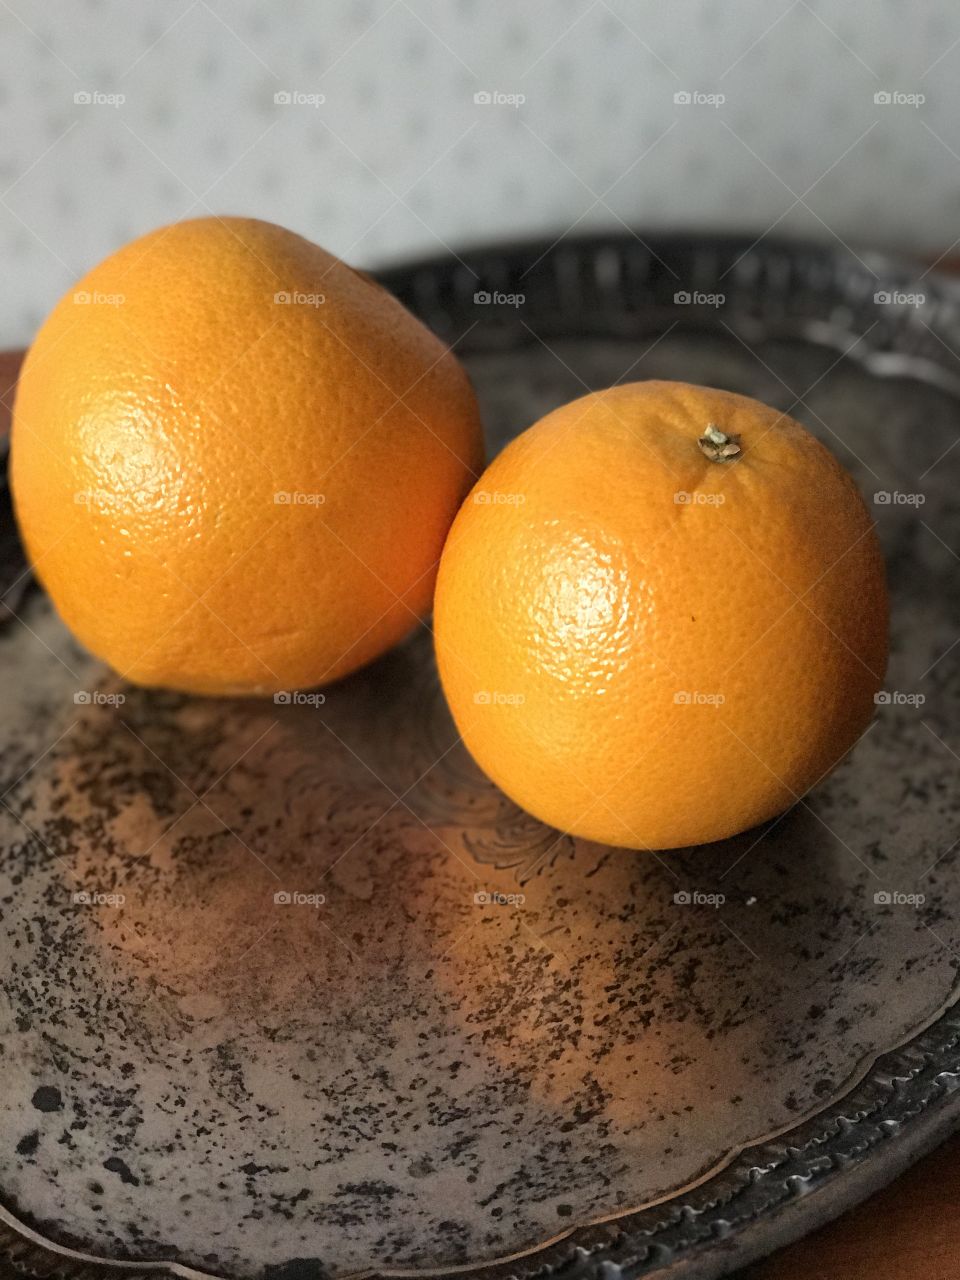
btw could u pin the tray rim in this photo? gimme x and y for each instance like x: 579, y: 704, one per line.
x: 898, y: 1095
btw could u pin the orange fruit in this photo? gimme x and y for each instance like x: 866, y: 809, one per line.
x: 235, y: 460
x: 661, y: 616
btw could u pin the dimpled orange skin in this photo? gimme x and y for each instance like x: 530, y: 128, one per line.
x: 651, y: 649
x: 152, y: 435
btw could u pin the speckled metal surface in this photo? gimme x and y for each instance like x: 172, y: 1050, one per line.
x: 291, y: 991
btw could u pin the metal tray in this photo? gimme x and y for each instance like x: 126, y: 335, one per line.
x: 491, y: 1048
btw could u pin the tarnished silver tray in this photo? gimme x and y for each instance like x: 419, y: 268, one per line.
x: 291, y: 991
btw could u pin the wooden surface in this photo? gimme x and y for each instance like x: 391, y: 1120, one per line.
x: 9, y: 364
x: 908, y: 1231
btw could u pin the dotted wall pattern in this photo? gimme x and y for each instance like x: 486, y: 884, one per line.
x: 383, y: 128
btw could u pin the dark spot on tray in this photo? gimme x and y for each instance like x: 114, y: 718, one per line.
x: 116, y: 1165
x: 47, y: 1098
x: 28, y: 1143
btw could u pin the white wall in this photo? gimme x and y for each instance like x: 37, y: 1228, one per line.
x: 400, y: 159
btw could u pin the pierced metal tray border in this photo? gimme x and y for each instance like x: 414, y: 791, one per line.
x: 624, y: 286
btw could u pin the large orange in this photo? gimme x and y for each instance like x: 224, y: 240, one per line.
x: 235, y: 460
x: 661, y: 615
